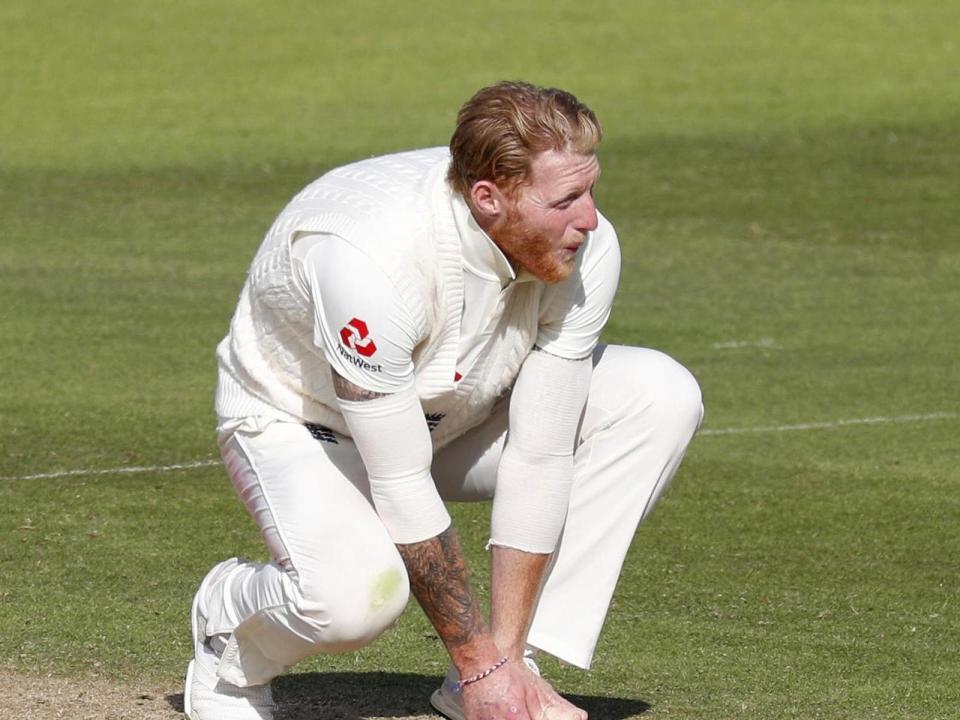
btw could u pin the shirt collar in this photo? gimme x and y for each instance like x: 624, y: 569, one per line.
x: 481, y: 256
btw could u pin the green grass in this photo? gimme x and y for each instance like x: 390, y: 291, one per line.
x: 781, y: 173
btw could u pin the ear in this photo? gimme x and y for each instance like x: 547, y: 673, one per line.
x: 488, y: 201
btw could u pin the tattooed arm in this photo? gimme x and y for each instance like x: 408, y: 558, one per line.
x: 434, y: 561
x: 439, y: 581
x: 390, y: 433
x: 346, y: 390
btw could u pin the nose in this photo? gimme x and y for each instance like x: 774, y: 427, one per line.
x: 587, y: 220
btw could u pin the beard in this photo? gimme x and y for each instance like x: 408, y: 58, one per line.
x: 531, y: 250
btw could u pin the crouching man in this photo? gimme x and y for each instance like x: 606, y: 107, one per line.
x: 422, y: 327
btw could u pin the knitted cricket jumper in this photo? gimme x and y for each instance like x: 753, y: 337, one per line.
x: 397, y: 210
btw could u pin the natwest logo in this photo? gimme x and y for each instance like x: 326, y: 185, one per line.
x: 355, y: 336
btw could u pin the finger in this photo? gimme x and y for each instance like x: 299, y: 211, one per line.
x: 561, y: 710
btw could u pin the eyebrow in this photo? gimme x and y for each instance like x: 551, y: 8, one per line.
x: 575, y: 193
x: 568, y: 197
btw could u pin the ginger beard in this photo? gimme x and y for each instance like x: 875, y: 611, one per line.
x: 546, y: 219
x: 531, y: 250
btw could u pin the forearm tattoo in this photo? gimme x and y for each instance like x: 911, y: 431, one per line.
x: 438, y: 578
x: 437, y: 570
x: 346, y: 390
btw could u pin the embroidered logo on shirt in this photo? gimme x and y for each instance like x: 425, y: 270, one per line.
x: 356, y: 336
x: 324, y: 434
x: 433, y: 419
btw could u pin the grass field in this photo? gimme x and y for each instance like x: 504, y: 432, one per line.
x: 784, y: 177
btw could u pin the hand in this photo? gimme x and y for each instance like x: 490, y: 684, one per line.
x: 515, y: 693
x: 547, y: 704
x: 501, y: 695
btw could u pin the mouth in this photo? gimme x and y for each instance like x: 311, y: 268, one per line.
x: 574, y: 245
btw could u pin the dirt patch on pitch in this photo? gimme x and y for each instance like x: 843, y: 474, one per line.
x: 40, y: 697
x: 50, y: 698
x: 309, y: 696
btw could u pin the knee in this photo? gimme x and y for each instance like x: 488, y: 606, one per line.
x: 649, y: 387
x: 369, y: 606
x: 678, y: 399
x: 350, y: 613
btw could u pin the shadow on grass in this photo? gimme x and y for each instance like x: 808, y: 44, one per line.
x: 347, y: 695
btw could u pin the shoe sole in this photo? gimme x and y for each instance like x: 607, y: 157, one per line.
x: 197, y: 642
x: 187, y: 709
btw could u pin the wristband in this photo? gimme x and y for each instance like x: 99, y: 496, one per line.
x: 458, y: 686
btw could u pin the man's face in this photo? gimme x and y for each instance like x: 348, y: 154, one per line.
x: 548, y: 218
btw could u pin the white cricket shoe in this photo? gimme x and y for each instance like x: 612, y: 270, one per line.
x: 205, y: 695
x: 449, y: 702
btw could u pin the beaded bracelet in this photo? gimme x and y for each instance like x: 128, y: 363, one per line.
x: 458, y: 686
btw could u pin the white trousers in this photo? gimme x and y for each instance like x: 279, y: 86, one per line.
x: 336, y: 581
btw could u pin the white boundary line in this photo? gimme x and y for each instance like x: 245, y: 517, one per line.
x: 827, y: 425
x: 116, y: 471
x: 831, y: 424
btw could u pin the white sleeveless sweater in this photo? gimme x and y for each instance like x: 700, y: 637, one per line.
x: 397, y: 210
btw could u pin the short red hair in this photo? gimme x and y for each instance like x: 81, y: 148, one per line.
x: 504, y: 126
